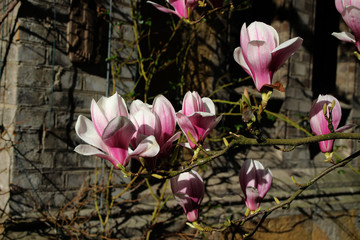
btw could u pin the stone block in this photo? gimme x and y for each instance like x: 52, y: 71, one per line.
x: 75, y: 179
x: 60, y: 58
x: 33, y: 31
x: 67, y: 159
x: 95, y: 83
x: 28, y: 53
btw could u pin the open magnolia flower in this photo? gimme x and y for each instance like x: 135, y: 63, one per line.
x: 197, y: 118
x: 156, y: 120
x: 188, y: 189
x: 255, y: 182
x: 109, y: 133
x: 318, y: 122
x: 350, y: 12
x: 182, y: 8
x: 260, y: 54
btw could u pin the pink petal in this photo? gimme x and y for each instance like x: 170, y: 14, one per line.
x: 239, y: 58
x: 283, y: 52
x: 88, y: 150
x: 211, y: 127
x: 146, y: 123
x: 166, y: 114
x: 164, y: 9
x: 244, y: 40
x: 188, y: 189
x: 99, y: 119
x: 86, y: 131
x: 247, y: 177
x: 192, y: 103
x: 263, y: 179
x: 259, y: 59
x: 252, y: 198
x: 117, y: 137
x: 339, y: 5
x: 318, y: 123
x: 260, y: 31
x: 186, y: 126
x: 180, y: 7
x: 326, y: 146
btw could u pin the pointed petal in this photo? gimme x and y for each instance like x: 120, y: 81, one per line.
x: 86, y: 131
x: 209, y: 105
x: 239, y: 58
x: 263, y: 179
x: 164, y: 9
x: 259, y: 59
x: 166, y: 114
x: 283, y: 52
x: 344, y: 36
x: 244, y: 40
x: 88, y: 150
x: 346, y: 127
x: 98, y: 118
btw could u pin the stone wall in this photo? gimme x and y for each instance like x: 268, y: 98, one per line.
x: 43, y: 92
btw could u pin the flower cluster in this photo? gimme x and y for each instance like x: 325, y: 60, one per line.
x: 146, y: 132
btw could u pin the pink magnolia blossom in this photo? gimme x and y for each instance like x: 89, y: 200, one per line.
x: 188, y: 189
x: 350, y: 12
x: 182, y: 8
x: 255, y: 182
x: 108, y: 134
x: 318, y: 122
x: 197, y: 117
x: 156, y: 120
x: 260, y: 54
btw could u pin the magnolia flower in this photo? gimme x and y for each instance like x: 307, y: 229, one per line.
x: 197, y: 117
x: 260, y: 54
x: 318, y: 122
x: 182, y: 8
x: 188, y: 189
x: 255, y: 182
x: 350, y: 12
x: 156, y: 120
x: 108, y: 134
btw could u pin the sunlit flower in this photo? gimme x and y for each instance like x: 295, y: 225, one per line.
x: 182, y: 8
x: 255, y: 182
x: 188, y: 189
x: 260, y: 54
x: 109, y: 133
x: 197, y: 118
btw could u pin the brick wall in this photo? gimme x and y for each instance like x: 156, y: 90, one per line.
x: 43, y: 92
